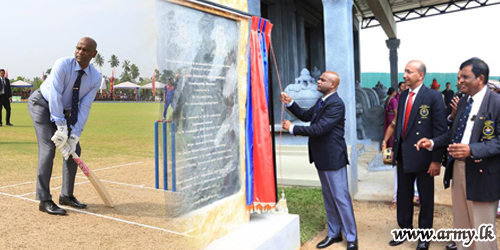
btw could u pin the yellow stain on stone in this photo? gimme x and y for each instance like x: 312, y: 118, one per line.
x: 235, y: 4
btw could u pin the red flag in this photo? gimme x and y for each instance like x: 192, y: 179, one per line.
x: 112, y: 80
x: 263, y: 168
x: 153, y: 84
x: 43, y: 76
x: 6, y: 73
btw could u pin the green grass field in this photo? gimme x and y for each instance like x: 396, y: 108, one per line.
x: 120, y: 133
x: 115, y: 133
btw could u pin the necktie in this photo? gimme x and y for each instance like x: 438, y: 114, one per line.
x: 409, y: 105
x: 463, y: 122
x: 1, y: 85
x: 75, y: 99
x: 320, y: 103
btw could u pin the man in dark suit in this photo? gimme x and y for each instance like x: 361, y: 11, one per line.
x: 474, y: 152
x: 5, y: 97
x: 421, y: 113
x: 448, y: 96
x: 328, y: 151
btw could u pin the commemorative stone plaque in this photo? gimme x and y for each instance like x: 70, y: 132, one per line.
x: 201, y: 51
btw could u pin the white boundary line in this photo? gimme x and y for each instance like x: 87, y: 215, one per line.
x: 105, y: 216
x: 59, y: 177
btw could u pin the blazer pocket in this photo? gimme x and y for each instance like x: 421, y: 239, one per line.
x: 494, y: 169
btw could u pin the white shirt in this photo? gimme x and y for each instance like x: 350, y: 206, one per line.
x: 57, y: 89
x: 416, y: 90
x: 2, y: 81
x: 478, y: 100
x: 290, y: 129
x: 476, y: 104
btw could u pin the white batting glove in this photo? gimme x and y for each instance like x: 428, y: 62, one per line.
x: 72, y: 141
x: 65, y: 150
x: 60, y: 136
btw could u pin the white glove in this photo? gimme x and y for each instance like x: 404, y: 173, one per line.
x: 72, y: 141
x: 65, y: 150
x: 60, y: 136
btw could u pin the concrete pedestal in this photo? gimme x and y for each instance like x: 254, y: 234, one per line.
x: 264, y: 231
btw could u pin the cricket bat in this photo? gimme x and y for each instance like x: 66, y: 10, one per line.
x: 94, y: 180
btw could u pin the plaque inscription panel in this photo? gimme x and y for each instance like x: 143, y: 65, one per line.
x: 201, y: 50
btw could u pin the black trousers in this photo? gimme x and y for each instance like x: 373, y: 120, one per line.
x: 425, y: 185
x: 5, y: 102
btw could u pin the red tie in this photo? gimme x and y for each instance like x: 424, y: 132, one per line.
x: 409, y: 104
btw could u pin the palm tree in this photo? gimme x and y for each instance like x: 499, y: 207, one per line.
x: 126, y: 66
x: 134, y: 71
x: 99, y: 61
x: 114, y: 62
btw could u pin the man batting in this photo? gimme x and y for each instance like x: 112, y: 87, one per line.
x: 59, y: 110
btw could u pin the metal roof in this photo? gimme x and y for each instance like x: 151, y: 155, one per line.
x: 405, y: 10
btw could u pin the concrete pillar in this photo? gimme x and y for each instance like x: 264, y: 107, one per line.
x: 393, y: 45
x: 301, y: 42
x: 284, y: 40
x: 339, y: 53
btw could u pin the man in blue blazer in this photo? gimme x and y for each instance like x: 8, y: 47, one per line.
x: 421, y: 113
x: 474, y: 152
x: 328, y: 151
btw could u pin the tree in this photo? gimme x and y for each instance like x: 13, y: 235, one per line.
x: 114, y: 62
x: 37, y: 81
x: 134, y: 71
x: 166, y: 74
x: 99, y: 61
x: 157, y: 74
x: 126, y: 66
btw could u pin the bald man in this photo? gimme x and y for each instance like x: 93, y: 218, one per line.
x: 59, y: 110
x: 421, y: 113
x: 328, y: 151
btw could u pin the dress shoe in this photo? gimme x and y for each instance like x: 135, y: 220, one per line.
x: 10, y: 124
x: 352, y: 245
x: 51, y: 208
x: 423, y: 245
x: 393, y: 243
x: 71, y: 201
x: 451, y: 246
x: 328, y: 241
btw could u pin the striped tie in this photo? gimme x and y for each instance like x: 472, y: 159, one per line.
x: 76, y: 98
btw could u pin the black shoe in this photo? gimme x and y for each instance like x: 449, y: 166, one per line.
x: 451, y: 246
x: 393, y: 243
x: 423, y: 245
x: 352, y: 245
x: 71, y: 201
x: 51, y: 208
x: 0, y: 124
x: 328, y: 241
x: 10, y: 124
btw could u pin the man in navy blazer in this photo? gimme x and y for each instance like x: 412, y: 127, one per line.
x: 328, y: 151
x: 474, y: 152
x: 421, y: 113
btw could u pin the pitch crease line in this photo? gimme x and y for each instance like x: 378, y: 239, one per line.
x: 59, y: 177
x: 104, y: 216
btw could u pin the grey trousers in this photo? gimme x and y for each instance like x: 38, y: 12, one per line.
x: 338, y: 204
x: 38, y: 108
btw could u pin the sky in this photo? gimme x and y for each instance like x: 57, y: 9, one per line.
x: 37, y: 33
x: 442, y: 42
